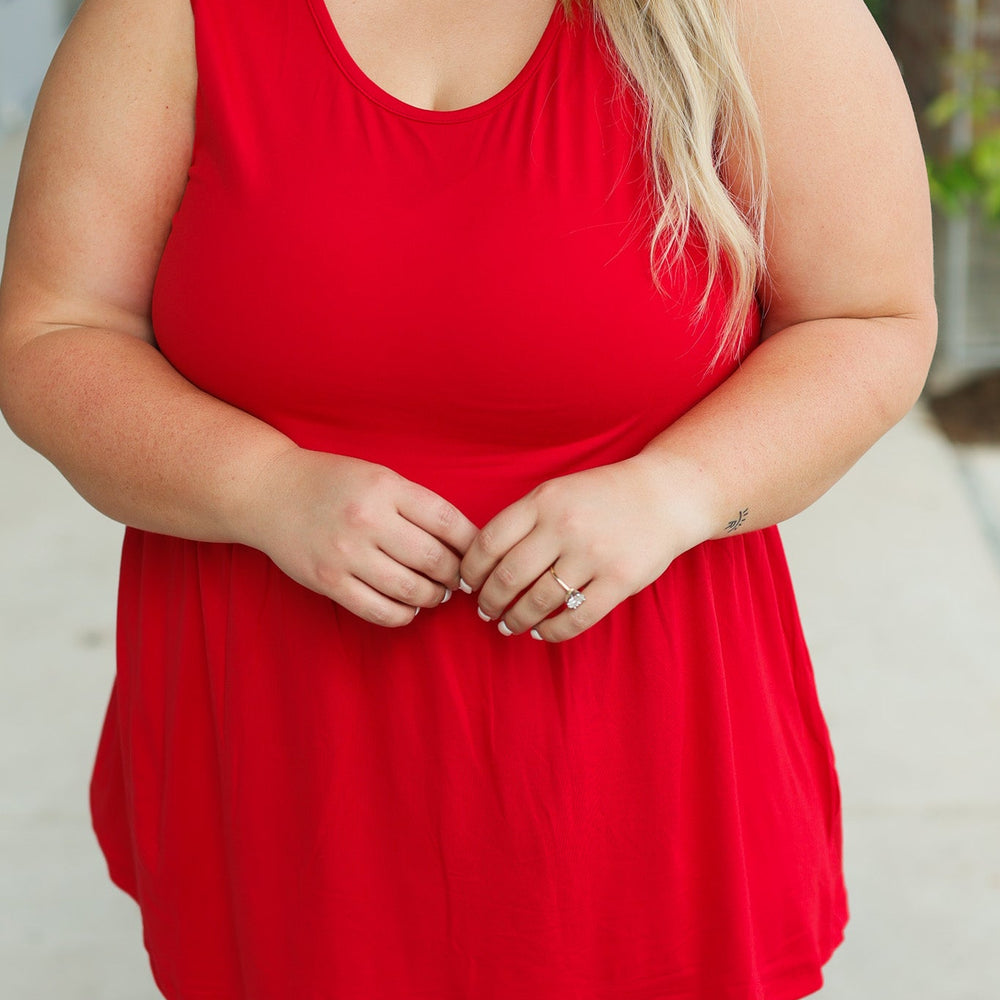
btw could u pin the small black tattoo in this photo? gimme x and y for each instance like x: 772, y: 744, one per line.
x: 739, y: 521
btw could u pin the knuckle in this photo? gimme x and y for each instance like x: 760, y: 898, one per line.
x: 505, y: 575
x: 569, y: 522
x: 600, y: 552
x: 357, y: 515
x: 488, y: 542
x: 383, y: 478
x: 433, y: 557
x: 619, y: 576
x: 537, y: 601
x: 342, y: 548
x: 447, y: 514
x: 544, y: 492
x: 328, y: 578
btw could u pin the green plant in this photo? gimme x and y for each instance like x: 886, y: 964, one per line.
x: 969, y: 176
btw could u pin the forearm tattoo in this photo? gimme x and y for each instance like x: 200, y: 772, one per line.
x: 737, y: 522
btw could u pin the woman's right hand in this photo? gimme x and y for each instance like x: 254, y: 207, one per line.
x: 357, y: 532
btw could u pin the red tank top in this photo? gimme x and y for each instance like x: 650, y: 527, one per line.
x: 308, y: 806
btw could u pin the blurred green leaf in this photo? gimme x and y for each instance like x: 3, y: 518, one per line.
x: 991, y: 202
x: 985, y: 102
x: 985, y: 157
x: 960, y: 182
x: 945, y: 106
x: 955, y: 185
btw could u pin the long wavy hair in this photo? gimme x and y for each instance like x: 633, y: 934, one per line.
x: 683, y: 62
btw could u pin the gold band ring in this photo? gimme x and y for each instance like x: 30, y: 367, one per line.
x: 573, y: 596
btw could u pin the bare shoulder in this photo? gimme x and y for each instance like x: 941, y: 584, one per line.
x: 829, y: 49
x: 849, y: 224
x: 104, y: 168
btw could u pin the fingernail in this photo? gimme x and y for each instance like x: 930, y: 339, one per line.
x: 503, y: 628
x: 535, y: 634
x: 416, y: 611
x: 447, y: 596
x: 463, y: 586
x: 482, y: 614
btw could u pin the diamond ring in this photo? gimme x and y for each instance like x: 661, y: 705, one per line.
x: 573, y: 596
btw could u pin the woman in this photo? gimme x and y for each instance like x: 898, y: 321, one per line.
x: 345, y: 307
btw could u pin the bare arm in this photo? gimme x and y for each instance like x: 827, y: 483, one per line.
x: 81, y: 379
x: 849, y: 336
x: 851, y: 322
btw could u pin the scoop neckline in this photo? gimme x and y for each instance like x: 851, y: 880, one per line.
x: 371, y: 89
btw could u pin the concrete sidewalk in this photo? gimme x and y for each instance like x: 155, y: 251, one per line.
x: 900, y: 594
x: 899, y: 591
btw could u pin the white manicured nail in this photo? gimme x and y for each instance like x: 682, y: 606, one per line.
x: 447, y: 596
x: 416, y: 611
x: 503, y: 628
x: 463, y: 586
x: 482, y: 614
x: 535, y: 634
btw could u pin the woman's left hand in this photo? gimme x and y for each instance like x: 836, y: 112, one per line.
x: 607, y: 532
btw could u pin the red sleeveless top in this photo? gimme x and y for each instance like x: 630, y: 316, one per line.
x: 308, y: 806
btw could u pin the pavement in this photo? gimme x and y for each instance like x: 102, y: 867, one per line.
x: 897, y: 571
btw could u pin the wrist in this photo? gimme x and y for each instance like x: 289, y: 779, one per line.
x: 255, y: 502
x: 683, y: 494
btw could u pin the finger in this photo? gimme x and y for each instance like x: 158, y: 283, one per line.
x: 398, y: 582
x: 602, y: 596
x: 517, y: 571
x: 437, y: 516
x: 419, y: 550
x: 494, y: 540
x: 543, y: 598
x: 357, y: 597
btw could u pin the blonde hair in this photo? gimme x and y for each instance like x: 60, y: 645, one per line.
x: 682, y: 59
